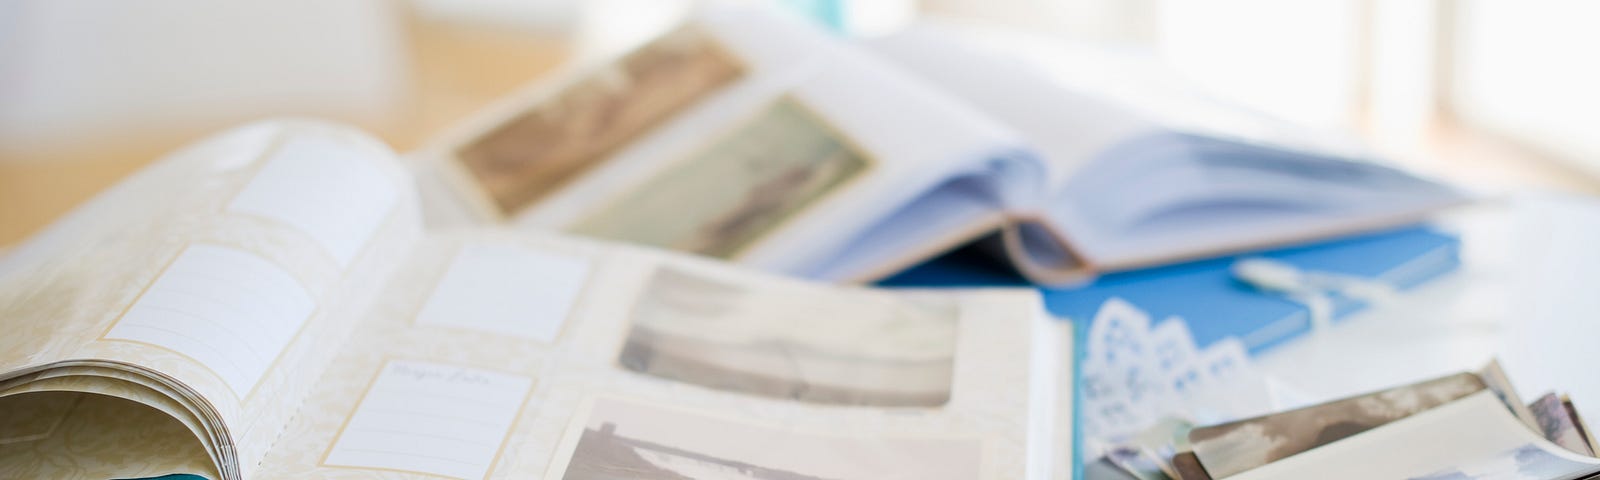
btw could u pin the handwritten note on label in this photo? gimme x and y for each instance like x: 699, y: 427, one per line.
x: 431, y: 418
x: 507, y: 290
x: 337, y: 194
x: 230, y: 310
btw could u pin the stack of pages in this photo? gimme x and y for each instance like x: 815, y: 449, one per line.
x: 1329, y: 281
x: 1460, y: 427
x: 263, y: 304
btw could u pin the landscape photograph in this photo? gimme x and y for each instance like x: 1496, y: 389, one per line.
x: 802, y: 343
x: 723, y: 198
x: 532, y: 155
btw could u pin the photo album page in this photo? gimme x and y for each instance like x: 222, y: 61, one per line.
x: 750, y: 136
x: 512, y: 355
x: 264, y: 304
x: 743, y: 135
x: 214, y: 286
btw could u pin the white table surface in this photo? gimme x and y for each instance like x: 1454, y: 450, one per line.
x: 1528, y: 293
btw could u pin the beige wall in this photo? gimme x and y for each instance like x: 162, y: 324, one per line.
x: 456, y: 71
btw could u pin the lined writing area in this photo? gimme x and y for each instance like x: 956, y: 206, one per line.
x: 230, y: 310
x: 506, y: 290
x: 337, y: 194
x: 431, y: 418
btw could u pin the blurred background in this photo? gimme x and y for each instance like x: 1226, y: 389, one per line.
x: 1490, y: 94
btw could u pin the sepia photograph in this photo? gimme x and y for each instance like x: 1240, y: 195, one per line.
x: 637, y: 441
x: 1557, y: 424
x: 726, y: 197
x: 1528, y: 462
x: 1234, y: 447
x: 533, y: 154
x: 807, y: 343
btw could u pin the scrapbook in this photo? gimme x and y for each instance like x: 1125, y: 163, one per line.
x: 748, y: 136
x: 265, y: 304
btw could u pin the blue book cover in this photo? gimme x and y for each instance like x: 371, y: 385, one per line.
x: 1207, y: 294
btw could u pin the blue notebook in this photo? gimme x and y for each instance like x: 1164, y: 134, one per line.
x: 1206, y: 293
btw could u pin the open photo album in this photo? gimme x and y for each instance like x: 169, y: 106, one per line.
x: 760, y: 139
x: 266, y: 304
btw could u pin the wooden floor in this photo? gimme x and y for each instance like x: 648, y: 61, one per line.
x: 459, y: 70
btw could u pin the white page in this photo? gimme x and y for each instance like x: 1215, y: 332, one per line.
x: 1466, y: 432
x: 1170, y: 197
x: 949, y: 215
x: 431, y: 418
x: 917, y: 135
x: 1106, y: 120
x: 331, y: 192
x: 1137, y: 82
x: 1165, y: 172
x: 228, y: 309
x: 1068, y: 128
x: 507, y: 290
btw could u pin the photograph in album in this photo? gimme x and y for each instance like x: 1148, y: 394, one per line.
x: 540, y: 150
x: 635, y: 440
x: 808, y: 346
x: 736, y: 191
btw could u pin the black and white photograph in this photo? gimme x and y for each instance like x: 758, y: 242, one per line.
x: 1558, y: 424
x: 624, y: 439
x: 809, y: 344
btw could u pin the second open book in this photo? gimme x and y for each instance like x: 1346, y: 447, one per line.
x: 264, y: 304
x: 756, y: 138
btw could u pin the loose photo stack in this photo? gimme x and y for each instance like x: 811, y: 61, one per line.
x: 1468, y: 426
